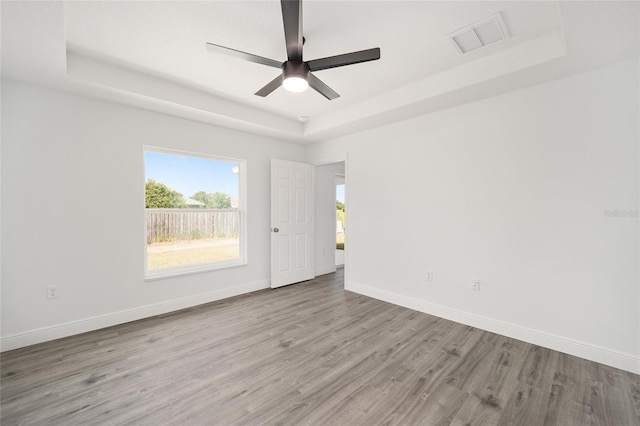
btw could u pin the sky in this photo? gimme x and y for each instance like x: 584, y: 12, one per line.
x: 188, y: 175
x: 340, y: 193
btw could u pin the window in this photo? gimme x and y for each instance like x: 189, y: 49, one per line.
x: 194, y: 213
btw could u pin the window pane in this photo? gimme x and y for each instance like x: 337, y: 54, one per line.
x: 192, y: 211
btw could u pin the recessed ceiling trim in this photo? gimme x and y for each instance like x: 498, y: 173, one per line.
x: 483, y: 33
x: 433, y: 92
x: 156, y: 90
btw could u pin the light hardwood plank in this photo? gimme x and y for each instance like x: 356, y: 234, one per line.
x: 313, y: 354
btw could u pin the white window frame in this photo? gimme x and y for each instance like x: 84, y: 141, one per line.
x: 242, y: 210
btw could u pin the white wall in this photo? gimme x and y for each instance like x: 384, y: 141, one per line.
x: 325, y: 226
x: 73, y: 212
x: 511, y: 190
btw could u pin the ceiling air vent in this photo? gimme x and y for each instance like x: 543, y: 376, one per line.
x: 483, y: 33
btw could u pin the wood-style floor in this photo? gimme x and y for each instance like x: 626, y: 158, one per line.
x: 310, y: 353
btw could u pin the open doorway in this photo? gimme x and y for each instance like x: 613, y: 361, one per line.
x: 340, y: 220
x: 330, y: 238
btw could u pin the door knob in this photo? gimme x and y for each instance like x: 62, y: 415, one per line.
x: 276, y: 230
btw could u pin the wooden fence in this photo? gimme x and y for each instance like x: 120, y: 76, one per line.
x: 191, y: 224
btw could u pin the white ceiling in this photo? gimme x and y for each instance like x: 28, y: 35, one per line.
x: 152, y: 54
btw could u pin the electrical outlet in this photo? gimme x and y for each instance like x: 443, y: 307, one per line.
x: 52, y: 292
x: 429, y: 276
x: 476, y: 285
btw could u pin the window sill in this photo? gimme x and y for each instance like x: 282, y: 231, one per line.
x: 175, y: 272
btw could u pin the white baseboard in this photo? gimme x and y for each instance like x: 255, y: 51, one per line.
x: 45, y: 334
x: 572, y: 347
x: 321, y: 270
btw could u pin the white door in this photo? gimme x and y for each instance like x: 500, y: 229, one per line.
x: 292, y: 227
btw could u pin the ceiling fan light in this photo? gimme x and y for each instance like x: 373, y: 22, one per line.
x: 295, y: 83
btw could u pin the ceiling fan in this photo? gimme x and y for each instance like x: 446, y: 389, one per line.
x: 296, y: 73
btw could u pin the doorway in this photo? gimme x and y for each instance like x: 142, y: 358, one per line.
x: 328, y: 234
x: 341, y: 228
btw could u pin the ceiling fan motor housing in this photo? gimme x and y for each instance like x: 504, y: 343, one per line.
x: 295, y: 69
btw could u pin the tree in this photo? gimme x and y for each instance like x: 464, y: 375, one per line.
x: 339, y: 205
x: 221, y: 200
x: 203, y: 197
x: 160, y: 196
x: 215, y: 200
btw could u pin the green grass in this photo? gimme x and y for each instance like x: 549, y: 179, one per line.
x: 180, y: 253
x: 165, y: 257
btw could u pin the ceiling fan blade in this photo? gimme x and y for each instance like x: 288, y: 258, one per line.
x: 344, y: 59
x: 322, y: 88
x: 243, y: 55
x: 270, y: 87
x: 292, y: 20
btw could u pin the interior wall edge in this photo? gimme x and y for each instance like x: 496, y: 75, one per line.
x: 45, y: 334
x: 569, y: 346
